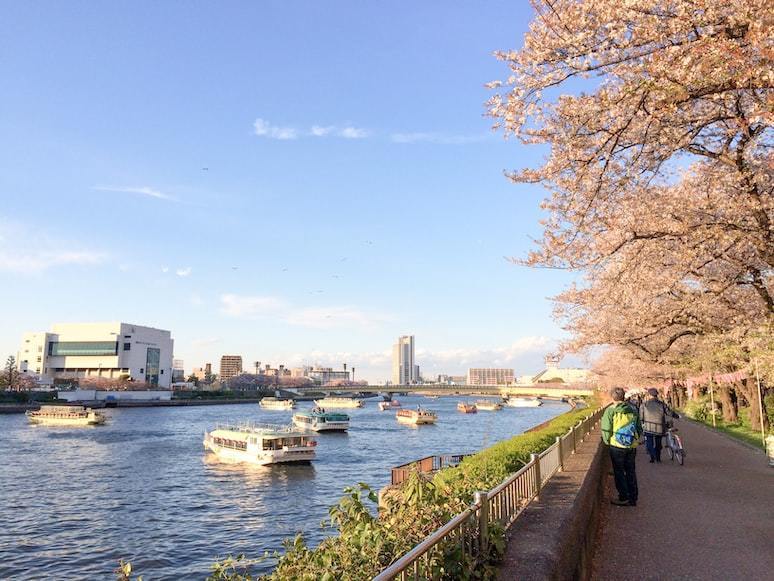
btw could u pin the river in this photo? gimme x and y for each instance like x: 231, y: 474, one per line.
x: 141, y: 488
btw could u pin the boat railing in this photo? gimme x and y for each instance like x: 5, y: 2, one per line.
x: 468, y: 532
x: 256, y: 427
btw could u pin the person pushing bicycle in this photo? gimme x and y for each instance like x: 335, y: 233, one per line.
x: 655, y: 415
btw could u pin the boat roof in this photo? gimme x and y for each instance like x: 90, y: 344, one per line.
x: 266, y: 431
x: 319, y: 414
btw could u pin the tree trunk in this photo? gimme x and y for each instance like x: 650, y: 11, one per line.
x: 749, y: 390
x: 728, y: 403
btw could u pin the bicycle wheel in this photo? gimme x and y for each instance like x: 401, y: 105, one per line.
x: 670, y: 452
x: 680, y: 456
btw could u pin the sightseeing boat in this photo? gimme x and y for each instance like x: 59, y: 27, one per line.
x: 466, y: 408
x: 321, y: 421
x: 66, y: 415
x: 338, y: 402
x: 488, y: 406
x: 261, y: 444
x: 275, y: 403
x: 417, y: 417
x: 523, y: 402
x: 388, y: 405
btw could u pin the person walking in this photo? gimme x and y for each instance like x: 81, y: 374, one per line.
x: 621, y: 431
x: 653, y: 415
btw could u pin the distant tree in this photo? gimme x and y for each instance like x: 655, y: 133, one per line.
x: 193, y: 379
x: 11, y: 373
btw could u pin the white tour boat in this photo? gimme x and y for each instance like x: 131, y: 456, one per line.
x: 321, y: 421
x: 66, y: 415
x: 275, y: 403
x: 488, y: 406
x: 523, y: 402
x: 416, y: 417
x: 338, y: 402
x: 388, y: 405
x: 261, y: 444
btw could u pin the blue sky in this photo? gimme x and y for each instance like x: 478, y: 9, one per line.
x: 353, y: 189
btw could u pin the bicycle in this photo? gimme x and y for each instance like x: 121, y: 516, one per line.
x: 674, y: 445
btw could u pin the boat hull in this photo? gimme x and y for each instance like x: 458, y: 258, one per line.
x: 262, y: 458
x: 90, y: 419
x: 322, y: 426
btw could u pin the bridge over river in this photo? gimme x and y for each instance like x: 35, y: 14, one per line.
x: 548, y: 390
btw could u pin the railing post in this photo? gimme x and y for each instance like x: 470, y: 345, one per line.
x: 561, y: 453
x: 535, y: 459
x: 481, y: 497
x: 572, y: 430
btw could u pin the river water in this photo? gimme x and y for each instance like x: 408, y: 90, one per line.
x: 73, y: 501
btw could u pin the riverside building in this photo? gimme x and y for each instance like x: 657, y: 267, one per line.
x: 230, y: 366
x: 106, y: 350
x: 490, y: 376
x: 404, y: 369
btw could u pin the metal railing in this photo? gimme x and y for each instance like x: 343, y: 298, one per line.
x: 466, y: 535
x: 426, y: 465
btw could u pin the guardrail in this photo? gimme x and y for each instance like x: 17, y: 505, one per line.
x: 467, y: 534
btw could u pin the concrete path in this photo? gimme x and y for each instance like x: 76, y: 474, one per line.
x: 712, y: 518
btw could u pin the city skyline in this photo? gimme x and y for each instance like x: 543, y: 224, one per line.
x: 246, y: 217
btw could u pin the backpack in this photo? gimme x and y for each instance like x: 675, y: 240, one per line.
x: 625, y: 432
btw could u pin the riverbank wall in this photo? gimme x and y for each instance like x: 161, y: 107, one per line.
x: 554, y: 537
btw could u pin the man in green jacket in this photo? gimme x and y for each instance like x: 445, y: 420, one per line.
x: 621, y: 431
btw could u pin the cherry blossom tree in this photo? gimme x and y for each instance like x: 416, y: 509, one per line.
x: 659, y: 170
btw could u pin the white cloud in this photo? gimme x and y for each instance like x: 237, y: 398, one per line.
x: 254, y: 307
x: 319, y: 131
x: 165, y: 269
x: 144, y: 191
x: 437, y: 138
x: 329, y: 317
x: 263, y: 128
x: 184, y: 271
x: 505, y: 356
x: 195, y: 300
x: 250, y: 307
x: 28, y: 251
x: 352, y: 133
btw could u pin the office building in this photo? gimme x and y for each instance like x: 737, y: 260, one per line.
x: 230, y: 366
x: 405, y: 371
x: 119, y: 351
x: 490, y: 376
x: 178, y: 370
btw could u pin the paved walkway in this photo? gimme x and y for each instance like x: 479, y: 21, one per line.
x: 712, y: 518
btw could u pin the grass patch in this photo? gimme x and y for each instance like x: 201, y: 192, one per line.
x: 736, y: 431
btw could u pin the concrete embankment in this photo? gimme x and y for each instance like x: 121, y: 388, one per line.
x: 555, y: 535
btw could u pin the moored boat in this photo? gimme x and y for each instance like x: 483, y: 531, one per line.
x: 321, y: 421
x: 66, y: 415
x: 488, y: 406
x: 275, y: 403
x: 416, y: 417
x: 523, y: 402
x: 260, y: 444
x: 466, y: 408
x: 387, y: 405
x: 338, y: 402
